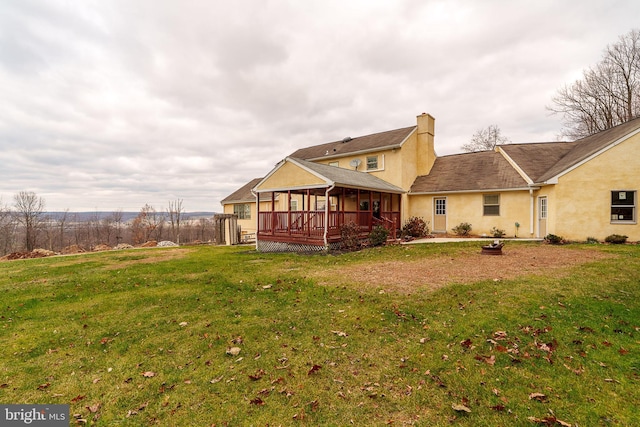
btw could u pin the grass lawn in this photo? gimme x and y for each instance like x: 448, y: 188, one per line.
x: 228, y: 336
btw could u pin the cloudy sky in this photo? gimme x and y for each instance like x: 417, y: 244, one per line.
x: 113, y: 104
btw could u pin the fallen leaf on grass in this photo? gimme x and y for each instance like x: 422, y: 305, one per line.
x: 78, y: 398
x: 538, y: 396
x: 233, y: 351
x: 148, y: 374
x: 44, y: 386
x: 489, y: 360
x: 217, y: 380
x: 466, y: 343
x: 579, y: 371
x: 340, y: 333
x: 259, y: 374
x: 136, y: 411
x: 314, y: 369
x: 460, y: 408
x: 623, y: 351
x: 549, y: 421
x: 500, y: 335
x: 257, y: 401
x: 266, y: 391
x: 93, y: 408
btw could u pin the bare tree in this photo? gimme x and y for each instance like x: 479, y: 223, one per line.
x: 29, y: 210
x: 61, y: 223
x: 485, y: 139
x: 7, y: 229
x: 607, y: 95
x: 117, y: 219
x: 175, y: 212
x: 143, y: 226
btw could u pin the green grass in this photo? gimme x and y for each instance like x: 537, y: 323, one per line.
x: 84, y: 330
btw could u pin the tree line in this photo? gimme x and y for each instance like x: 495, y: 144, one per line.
x: 607, y: 95
x: 25, y: 226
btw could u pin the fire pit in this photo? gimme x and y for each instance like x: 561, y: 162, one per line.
x: 494, y: 248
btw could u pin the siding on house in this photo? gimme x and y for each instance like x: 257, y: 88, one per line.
x: 588, y: 189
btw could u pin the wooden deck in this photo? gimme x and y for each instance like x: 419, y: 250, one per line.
x: 308, y: 227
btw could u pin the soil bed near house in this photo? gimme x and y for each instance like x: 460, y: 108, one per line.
x: 435, y: 272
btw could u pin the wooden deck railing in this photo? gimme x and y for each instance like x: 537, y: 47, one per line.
x: 309, y: 225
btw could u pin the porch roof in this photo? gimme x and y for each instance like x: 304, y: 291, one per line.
x: 329, y: 176
x: 244, y: 194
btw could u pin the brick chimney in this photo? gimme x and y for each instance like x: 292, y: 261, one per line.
x: 426, y: 154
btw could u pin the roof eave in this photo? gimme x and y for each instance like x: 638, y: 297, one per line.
x: 483, y: 190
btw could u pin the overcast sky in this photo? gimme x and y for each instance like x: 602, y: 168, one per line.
x: 109, y: 104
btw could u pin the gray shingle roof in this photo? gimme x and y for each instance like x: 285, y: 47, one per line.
x: 485, y: 170
x: 536, y: 159
x: 376, y: 141
x: 346, y: 177
x: 243, y: 194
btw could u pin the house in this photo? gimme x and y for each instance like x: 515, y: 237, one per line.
x: 585, y: 188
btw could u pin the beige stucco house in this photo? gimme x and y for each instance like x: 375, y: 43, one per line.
x: 585, y: 188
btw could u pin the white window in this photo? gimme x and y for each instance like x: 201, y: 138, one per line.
x: 294, y: 205
x: 491, y: 205
x: 623, y: 206
x: 543, y: 208
x: 243, y: 210
x: 372, y: 163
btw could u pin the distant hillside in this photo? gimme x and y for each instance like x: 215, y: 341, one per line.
x: 126, y: 216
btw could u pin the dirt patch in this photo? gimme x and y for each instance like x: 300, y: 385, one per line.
x: 437, y: 271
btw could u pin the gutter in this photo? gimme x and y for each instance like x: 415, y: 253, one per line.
x: 483, y: 190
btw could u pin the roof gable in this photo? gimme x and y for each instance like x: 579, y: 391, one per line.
x: 591, y: 145
x: 373, y: 142
x: 536, y: 159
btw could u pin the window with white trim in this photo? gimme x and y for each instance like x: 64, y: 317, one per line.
x: 623, y: 206
x: 491, y: 205
x: 243, y: 210
x: 372, y: 163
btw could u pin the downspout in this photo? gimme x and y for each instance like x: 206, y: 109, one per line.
x: 531, y: 211
x: 327, y: 209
